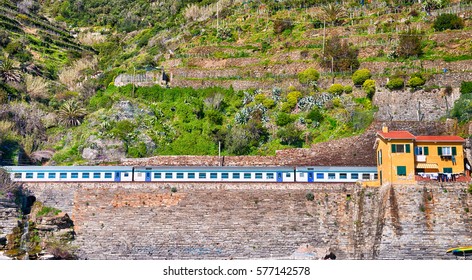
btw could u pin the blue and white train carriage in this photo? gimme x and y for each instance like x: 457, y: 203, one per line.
x: 213, y: 174
x: 328, y: 174
x: 70, y: 173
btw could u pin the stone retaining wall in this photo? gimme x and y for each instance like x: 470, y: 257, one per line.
x: 246, y: 221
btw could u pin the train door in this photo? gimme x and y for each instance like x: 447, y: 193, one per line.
x: 279, y: 177
x: 310, y: 177
x: 148, y: 176
x: 117, y: 176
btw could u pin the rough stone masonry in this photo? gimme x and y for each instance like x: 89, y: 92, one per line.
x: 262, y: 221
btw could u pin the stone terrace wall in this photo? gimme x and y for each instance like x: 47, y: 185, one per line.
x: 245, y: 221
x: 422, y: 222
x: 9, y: 214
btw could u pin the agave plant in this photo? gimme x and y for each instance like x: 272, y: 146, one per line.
x: 8, y: 72
x: 71, y: 114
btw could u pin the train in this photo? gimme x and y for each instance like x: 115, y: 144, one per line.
x: 308, y: 174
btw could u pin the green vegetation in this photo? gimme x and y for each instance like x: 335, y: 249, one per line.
x: 48, y: 211
x: 360, y: 76
x: 395, y: 83
x: 57, y: 91
x: 448, y: 21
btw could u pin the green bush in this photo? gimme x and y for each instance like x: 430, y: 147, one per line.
x: 395, y: 83
x: 46, y: 211
x: 283, y: 119
x: 348, y: 89
x: 369, y: 88
x: 409, y: 45
x: 336, y: 89
x: 280, y: 25
x: 448, y: 21
x: 308, y: 76
x: 462, y: 109
x: 290, y: 135
x: 360, y: 76
x: 315, y: 115
x: 466, y: 87
x: 415, y: 82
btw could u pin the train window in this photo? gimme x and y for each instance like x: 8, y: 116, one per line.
x: 319, y: 175
x: 180, y: 175
x: 29, y: 175
x: 213, y: 175
x: 17, y: 175
x: 108, y: 175
x: 331, y: 176
x: 191, y: 175
x: 270, y: 176
x: 366, y: 176
x: 74, y: 175
x: 96, y: 175
x: 302, y: 175
x: 41, y: 175
x: 224, y: 175
x: 288, y: 175
x: 343, y: 176
x: 310, y: 168
x: 236, y: 175
x: 85, y: 175
x: 51, y: 175
x: 258, y: 175
x: 63, y: 175
x: 247, y: 175
x: 202, y: 175
x: 126, y: 174
x: 157, y: 175
x: 376, y: 176
x: 168, y: 175
x: 354, y: 176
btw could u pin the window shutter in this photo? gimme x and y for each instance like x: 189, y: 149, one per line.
x: 439, y: 151
x: 394, y: 148
x: 401, y: 170
x: 407, y: 148
x: 426, y: 151
x: 454, y: 151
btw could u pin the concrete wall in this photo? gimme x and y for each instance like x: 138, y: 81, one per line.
x: 226, y: 221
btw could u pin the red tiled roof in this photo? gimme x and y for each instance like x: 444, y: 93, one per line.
x: 445, y: 138
x: 401, y: 134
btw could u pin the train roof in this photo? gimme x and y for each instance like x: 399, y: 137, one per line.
x: 36, y: 168
x: 214, y: 168
x: 338, y: 168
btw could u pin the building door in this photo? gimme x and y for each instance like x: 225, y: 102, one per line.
x: 148, y: 176
x: 117, y: 176
x: 310, y: 177
x: 279, y: 177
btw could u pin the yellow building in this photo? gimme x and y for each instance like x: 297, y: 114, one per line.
x: 401, y: 156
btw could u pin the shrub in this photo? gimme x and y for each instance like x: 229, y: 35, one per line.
x: 48, y: 211
x: 466, y: 87
x: 309, y: 76
x: 310, y: 196
x: 415, y: 82
x: 369, y: 87
x: 290, y: 135
x: 283, y: 119
x: 280, y: 25
x: 4, y: 38
x: 315, y: 115
x: 395, y: 83
x: 336, y: 89
x: 340, y: 56
x: 360, y: 76
x: 409, y: 45
x: 448, y: 21
x: 347, y: 89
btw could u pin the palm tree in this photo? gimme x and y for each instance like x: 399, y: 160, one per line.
x: 333, y: 13
x: 71, y: 114
x: 8, y: 72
